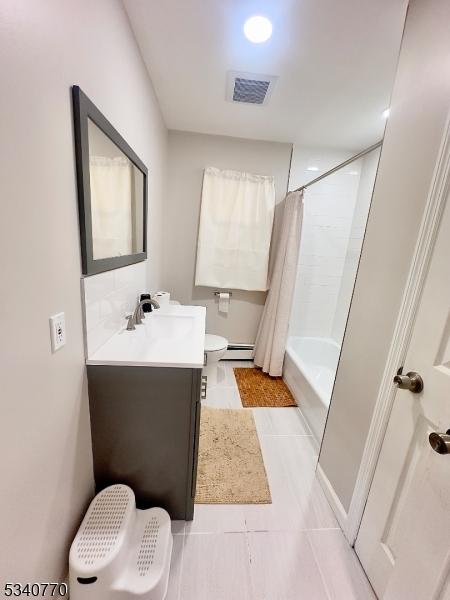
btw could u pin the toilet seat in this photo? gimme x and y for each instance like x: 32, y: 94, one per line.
x: 215, y: 343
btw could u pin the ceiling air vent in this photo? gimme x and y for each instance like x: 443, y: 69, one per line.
x: 249, y: 88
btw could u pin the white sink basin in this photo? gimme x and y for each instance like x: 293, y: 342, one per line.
x: 170, y: 337
x: 164, y: 327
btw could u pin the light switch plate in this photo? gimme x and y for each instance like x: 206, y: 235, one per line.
x: 58, y: 331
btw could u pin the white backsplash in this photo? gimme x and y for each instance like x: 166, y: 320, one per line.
x: 108, y: 297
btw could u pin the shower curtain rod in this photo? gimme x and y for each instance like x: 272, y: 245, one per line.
x: 344, y: 164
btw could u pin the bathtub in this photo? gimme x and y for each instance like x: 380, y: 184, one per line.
x: 309, y: 370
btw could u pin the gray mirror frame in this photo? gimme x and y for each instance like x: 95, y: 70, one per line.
x: 84, y: 109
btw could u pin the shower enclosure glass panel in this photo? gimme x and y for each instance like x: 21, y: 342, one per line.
x: 335, y: 216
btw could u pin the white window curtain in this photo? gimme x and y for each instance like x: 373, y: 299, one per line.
x: 236, y: 221
x: 111, y: 211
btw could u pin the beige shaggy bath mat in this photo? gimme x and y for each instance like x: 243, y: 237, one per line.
x: 230, y: 464
x: 259, y: 389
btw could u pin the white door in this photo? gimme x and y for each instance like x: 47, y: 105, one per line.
x: 404, y: 539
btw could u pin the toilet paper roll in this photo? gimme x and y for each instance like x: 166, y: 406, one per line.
x: 163, y: 298
x: 224, y: 302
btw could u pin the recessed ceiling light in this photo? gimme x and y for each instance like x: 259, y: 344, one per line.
x: 312, y: 168
x: 258, y: 29
x: 385, y: 114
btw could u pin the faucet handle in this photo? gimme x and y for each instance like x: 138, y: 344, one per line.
x: 130, y: 323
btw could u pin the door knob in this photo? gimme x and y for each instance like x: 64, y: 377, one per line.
x: 412, y: 381
x: 440, y: 442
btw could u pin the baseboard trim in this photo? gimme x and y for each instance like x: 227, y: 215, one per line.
x: 333, y: 500
x: 241, y: 346
x: 234, y: 353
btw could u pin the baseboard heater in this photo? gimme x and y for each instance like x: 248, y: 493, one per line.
x: 239, y: 352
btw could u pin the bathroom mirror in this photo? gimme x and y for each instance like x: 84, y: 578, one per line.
x: 112, y: 192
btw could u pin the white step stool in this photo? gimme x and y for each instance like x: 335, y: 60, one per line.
x: 120, y: 552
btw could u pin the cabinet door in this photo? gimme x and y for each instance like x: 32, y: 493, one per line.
x: 143, y: 433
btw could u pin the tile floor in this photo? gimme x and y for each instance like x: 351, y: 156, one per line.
x: 291, y: 549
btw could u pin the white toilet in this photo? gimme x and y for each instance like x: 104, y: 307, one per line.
x: 215, y: 348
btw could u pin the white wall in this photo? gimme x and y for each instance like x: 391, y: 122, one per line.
x: 189, y: 154
x: 327, y: 222
x: 408, y: 157
x: 45, y: 448
x: 368, y: 169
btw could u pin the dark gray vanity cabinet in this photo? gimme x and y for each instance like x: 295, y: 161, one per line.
x: 145, y: 429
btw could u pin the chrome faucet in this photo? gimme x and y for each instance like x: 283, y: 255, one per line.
x: 138, y: 315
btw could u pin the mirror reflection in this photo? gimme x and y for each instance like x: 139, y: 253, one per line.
x: 117, y: 198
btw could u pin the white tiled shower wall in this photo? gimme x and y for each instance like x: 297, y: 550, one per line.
x: 108, y: 297
x: 333, y: 228
x: 368, y: 168
x: 327, y: 219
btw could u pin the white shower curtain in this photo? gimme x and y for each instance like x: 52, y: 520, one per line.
x: 273, y: 329
x: 111, y: 206
x: 236, y: 222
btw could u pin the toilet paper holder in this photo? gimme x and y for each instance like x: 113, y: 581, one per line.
x: 218, y: 293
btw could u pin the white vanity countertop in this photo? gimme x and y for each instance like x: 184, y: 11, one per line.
x: 173, y: 336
